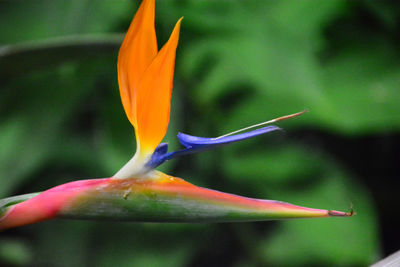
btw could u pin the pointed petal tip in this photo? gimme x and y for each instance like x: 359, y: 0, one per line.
x: 336, y: 213
x: 178, y: 24
x: 175, y: 31
x: 177, y: 28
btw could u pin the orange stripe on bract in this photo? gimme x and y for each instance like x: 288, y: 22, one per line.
x: 154, y: 95
x: 178, y: 188
x: 175, y: 185
x: 136, y: 53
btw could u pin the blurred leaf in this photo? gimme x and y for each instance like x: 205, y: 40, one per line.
x: 278, y: 56
x: 38, y: 121
x: 16, y: 60
x: 267, y: 51
x: 151, y: 247
x: 14, y: 252
x: 44, y: 19
x: 70, y: 246
x: 277, y: 165
x: 363, y: 83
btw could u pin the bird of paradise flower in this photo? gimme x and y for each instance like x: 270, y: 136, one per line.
x: 138, y: 192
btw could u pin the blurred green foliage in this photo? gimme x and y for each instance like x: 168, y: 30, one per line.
x: 238, y: 63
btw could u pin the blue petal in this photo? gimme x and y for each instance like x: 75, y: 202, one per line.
x: 161, y: 149
x: 190, y: 141
x: 194, y: 144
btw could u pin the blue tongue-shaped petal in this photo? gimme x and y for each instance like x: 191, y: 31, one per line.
x: 194, y: 144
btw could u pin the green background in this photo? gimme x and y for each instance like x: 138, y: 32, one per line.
x: 238, y: 63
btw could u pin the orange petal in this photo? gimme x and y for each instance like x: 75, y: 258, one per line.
x: 154, y: 95
x: 135, y: 55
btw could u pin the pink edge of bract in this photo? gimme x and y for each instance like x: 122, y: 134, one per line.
x: 46, y: 205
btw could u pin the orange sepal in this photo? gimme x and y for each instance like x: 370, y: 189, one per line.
x: 154, y: 95
x: 135, y: 55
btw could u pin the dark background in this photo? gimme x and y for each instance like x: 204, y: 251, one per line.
x: 238, y: 63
